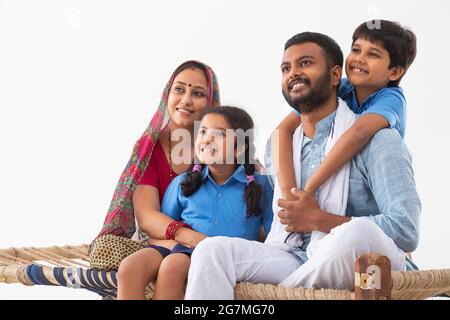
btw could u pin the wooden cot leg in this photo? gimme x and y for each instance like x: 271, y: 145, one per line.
x: 373, y: 277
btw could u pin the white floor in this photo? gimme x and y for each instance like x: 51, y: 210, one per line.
x: 21, y: 292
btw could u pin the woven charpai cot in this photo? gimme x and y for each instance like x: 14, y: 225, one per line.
x: 73, y: 267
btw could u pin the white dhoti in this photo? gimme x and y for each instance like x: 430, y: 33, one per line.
x: 218, y: 263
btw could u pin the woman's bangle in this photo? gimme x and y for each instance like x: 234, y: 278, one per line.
x: 173, y: 227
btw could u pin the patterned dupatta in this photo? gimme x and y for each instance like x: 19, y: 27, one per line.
x: 120, y: 218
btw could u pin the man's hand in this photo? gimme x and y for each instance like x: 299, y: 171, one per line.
x: 305, y: 215
x: 301, y: 214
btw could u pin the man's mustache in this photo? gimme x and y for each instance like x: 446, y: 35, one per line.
x: 298, y: 79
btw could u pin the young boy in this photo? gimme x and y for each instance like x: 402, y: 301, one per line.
x: 378, y: 60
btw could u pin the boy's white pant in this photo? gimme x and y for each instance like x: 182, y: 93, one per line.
x: 219, y: 262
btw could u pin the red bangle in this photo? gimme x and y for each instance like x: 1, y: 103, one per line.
x: 173, y: 227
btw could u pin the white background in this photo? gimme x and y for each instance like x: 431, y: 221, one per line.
x: 80, y: 80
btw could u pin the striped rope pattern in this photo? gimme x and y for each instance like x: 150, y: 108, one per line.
x: 101, y: 282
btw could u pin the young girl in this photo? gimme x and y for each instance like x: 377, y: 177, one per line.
x: 224, y: 195
x: 378, y: 59
x: 193, y: 86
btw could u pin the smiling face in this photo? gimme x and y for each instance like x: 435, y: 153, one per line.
x: 214, y: 135
x: 306, y: 81
x: 187, y: 97
x: 367, y: 65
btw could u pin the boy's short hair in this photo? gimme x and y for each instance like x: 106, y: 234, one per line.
x: 397, y: 40
x: 333, y: 53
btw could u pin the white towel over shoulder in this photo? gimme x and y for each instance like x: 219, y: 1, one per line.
x: 332, y: 195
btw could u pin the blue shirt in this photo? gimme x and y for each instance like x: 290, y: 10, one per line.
x: 220, y: 210
x: 381, y: 185
x: 388, y: 102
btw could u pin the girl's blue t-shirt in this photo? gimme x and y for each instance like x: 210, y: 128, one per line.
x: 220, y: 210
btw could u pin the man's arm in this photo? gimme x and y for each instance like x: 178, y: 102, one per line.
x: 391, y: 180
x: 388, y: 167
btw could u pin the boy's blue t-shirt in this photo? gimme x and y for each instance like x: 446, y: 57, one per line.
x: 388, y: 102
x: 220, y: 210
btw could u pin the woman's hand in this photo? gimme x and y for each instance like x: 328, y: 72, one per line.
x: 197, y: 238
x: 148, y: 213
x: 154, y: 223
x: 189, y: 237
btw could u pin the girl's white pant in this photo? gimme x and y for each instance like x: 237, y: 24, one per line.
x: 219, y: 262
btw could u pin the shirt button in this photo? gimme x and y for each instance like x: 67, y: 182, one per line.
x: 313, y: 166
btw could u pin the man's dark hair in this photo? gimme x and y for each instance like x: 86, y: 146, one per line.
x: 333, y: 53
x: 399, y: 42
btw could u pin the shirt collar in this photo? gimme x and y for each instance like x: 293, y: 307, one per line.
x: 238, y: 175
x: 323, y: 127
x: 368, y: 101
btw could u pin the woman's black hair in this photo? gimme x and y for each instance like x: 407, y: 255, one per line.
x: 238, y: 119
x: 191, y: 64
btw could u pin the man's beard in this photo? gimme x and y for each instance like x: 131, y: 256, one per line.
x: 314, y: 98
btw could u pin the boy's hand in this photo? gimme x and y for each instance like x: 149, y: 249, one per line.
x: 301, y: 214
x: 287, y: 194
x: 310, y: 187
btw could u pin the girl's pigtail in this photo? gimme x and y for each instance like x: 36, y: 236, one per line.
x: 193, y: 180
x: 252, y: 192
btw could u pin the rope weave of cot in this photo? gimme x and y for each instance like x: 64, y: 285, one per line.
x: 69, y: 266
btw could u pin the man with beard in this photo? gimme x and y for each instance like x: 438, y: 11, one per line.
x: 370, y: 205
